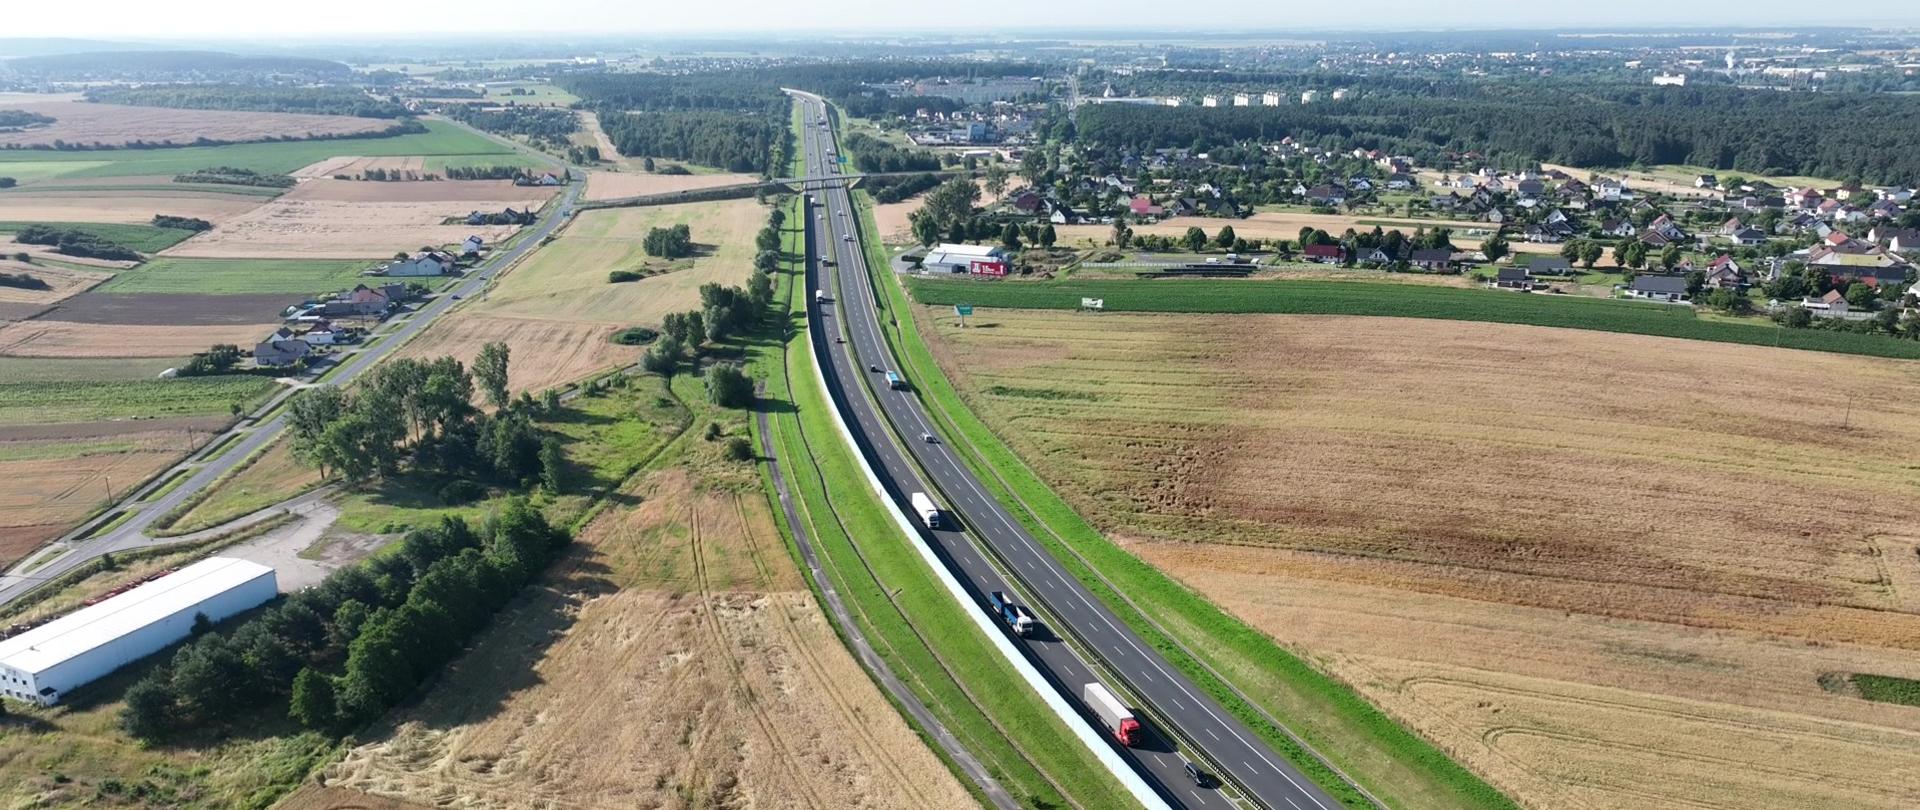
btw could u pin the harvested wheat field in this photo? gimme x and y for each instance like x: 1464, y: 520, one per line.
x: 81, y: 122
x: 336, y: 229
x: 1602, y: 570
x: 546, y: 353
x: 62, y: 284
x: 674, y: 658
x: 47, y: 338
x: 54, y: 483
x: 81, y: 205
x: 356, y: 166
x: 613, y: 185
x: 567, y: 280
x: 494, y: 193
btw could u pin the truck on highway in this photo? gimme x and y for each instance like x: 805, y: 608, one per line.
x: 819, y: 296
x: 895, y: 381
x: 928, y: 510
x: 1119, y: 721
x: 1016, y: 617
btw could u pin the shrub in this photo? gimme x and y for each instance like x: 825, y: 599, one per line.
x: 739, y: 449
x: 728, y: 386
x: 622, y: 276
x: 635, y: 336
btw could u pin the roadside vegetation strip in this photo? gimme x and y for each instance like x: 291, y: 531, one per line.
x: 1398, y: 300
x: 143, y: 238
x: 919, y: 631
x: 1360, y: 742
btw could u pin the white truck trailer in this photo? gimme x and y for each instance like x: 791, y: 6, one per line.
x: 928, y: 510
x: 1119, y: 721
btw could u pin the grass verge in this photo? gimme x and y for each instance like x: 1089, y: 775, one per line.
x: 1254, y: 677
x: 1399, y: 300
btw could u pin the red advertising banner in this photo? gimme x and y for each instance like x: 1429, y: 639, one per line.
x: 983, y: 268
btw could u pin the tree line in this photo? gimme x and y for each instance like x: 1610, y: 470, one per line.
x: 328, y: 100
x: 668, y: 243
x: 344, y: 651
x: 735, y: 140
x: 1755, y: 132
x: 540, y: 124
x: 194, y: 224
x: 235, y: 176
x: 725, y: 313
x: 21, y: 119
x: 405, y: 126
x: 75, y: 242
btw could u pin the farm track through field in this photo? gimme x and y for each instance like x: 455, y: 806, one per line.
x: 852, y: 709
x: 783, y: 757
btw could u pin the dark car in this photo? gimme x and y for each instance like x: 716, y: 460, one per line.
x: 1201, y: 779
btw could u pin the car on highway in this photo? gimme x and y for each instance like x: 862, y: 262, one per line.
x: 929, y: 438
x: 456, y: 296
x: 846, y: 238
x: 1201, y: 779
x: 875, y: 368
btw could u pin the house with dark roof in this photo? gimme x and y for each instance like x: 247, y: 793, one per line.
x: 1670, y: 289
x: 1550, y: 266
x: 1513, y: 278
x: 1437, y: 260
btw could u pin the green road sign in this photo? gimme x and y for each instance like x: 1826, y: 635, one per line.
x: 963, y: 310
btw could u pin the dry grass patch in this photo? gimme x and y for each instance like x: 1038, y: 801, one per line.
x: 86, y: 123
x: 62, y: 283
x: 339, y: 229
x: 49, y: 338
x: 53, y: 484
x: 567, y: 280
x: 131, y: 208
x: 1567, y: 557
x: 672, y: 659
x: 545, y: 353
x: 603, y: 185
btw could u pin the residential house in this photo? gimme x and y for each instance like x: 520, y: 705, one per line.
x: 1380, y: 255
x: 1027, y: 202
x: 1143, y: 206
x: 1222, y: 207
x: 1513, y: 278
x: 1655, y: 238
x: 324, y: 333
x: 1671, y: 289
x: 1326, y: 194
x: 429, y: 263
x: 1725, y: 272
x: 1621, y: 227
x: 1324, y: 254
x: 1184, y: 207
x: 279, y: 351
x: 1437, y: 260
x: 1400, y: 182
x: 1749, y: 237
x: 1530, y: 189
x: 1550, y: 266
x: 1063, y: 214
x: 1898, y: 240
x: 1706, y: 181
x: 1731, y: 226
x: 472, y: 246
x: 1447, y: 202
x: 1831, y: 305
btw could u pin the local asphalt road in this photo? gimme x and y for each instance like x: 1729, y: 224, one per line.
x: 852, y: 350
x: 255, y: 434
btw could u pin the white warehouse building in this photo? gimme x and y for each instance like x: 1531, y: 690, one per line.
x: 42, y: 664
x: 982, y: 259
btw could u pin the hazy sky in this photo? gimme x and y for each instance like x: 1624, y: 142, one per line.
x: 203, y: 18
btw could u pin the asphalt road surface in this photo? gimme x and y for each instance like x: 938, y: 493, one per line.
x: 890, y: 425
x: 255, y: 434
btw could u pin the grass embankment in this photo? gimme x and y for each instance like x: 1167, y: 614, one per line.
x: 1399, y: 300
x: 143, y: 238
x: 1233, y: 662
x: 237, y: 276
x: 925, y: 636
x: 1888, y: 689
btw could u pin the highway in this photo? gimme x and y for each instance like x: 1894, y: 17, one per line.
x: 889, y: 425
x: 255, y: 433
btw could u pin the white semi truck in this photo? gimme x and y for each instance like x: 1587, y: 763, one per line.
x: 1119, y: 721
x: 928, y: 510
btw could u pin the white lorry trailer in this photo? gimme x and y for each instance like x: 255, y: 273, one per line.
x: 1118, y: 720
x: 929, y: 511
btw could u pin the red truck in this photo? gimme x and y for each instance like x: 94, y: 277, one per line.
x: 1113, y: 714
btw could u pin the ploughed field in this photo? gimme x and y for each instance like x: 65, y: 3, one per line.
x: 1602, y: 570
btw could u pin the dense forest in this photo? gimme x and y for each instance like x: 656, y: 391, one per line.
x: 738, y: 141
x: 319, y: 100
x: 538, y: 123
x: 871, y: 154
x: 171, y: 66
x: 1752, y: 132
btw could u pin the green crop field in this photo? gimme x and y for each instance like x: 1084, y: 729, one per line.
x: 1398, y: 300
x: 97, y: 400
x: 197, y: 188
x: 143, y: 238
x: 1888, y: 689
x: 440, y: 140
x: 237, y: 276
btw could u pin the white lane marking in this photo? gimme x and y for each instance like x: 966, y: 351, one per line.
x: 1210, y: 733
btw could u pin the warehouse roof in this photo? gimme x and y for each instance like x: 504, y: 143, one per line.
x: 978, y: 251
x: 77, y: 633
